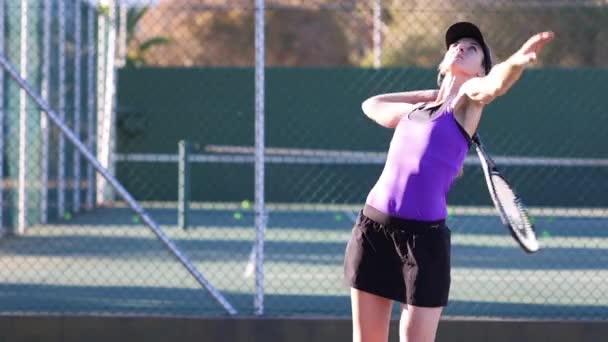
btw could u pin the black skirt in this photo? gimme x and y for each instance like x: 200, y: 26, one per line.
x: 404, y: 260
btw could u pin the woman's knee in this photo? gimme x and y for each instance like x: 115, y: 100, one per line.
x: 419, y: 324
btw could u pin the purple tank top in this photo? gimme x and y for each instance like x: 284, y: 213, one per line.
x: 424, y: 158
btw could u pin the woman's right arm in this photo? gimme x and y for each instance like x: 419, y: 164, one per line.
x: 387, y: 109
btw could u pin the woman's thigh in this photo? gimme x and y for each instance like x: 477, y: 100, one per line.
x: 371, y: 316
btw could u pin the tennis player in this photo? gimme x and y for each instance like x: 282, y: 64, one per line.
x: 400, y: 245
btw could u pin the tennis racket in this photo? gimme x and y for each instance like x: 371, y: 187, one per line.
x: 509, y: 206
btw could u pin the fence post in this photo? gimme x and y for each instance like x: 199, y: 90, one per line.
x: 183, y: 184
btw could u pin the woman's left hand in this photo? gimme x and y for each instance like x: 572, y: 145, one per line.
x: 528, y: 53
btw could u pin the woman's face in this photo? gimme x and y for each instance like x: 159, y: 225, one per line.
x: 464, y: 57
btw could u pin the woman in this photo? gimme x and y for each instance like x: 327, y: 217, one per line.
x: 400, y: 246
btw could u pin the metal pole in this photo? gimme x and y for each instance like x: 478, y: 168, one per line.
x: 44, y: 123
x: 109, y: 126
x: 377, y: 33
x: 61, y: 147
x: 260, y: 208
x: 101, y: 96
x: 122, y: 34
x: 22, y: 200
x: 118, y: 187
x: 183, y: 188
x: 77, y: 88
x: 90, y: 112
x: 2, y: 104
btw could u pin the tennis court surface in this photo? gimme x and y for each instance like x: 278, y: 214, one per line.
x: 105, y: 261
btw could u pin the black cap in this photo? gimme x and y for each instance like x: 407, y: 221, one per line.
x: 469, y: 30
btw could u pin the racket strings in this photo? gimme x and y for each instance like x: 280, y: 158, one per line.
x: 524, y: 224
x: 515, y: 212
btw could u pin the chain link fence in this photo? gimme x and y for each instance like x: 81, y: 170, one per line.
x: 174, y: 99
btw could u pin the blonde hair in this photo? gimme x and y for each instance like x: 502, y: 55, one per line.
x: 440, y: 73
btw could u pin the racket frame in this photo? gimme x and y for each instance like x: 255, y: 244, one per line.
x: 489, y: 170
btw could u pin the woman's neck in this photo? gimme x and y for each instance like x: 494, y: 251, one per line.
x: 449, y: 88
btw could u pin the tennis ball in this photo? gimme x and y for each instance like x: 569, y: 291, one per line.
x: 67, y: 216
x: 135, y: 219
x: 338, y: 217
x: 237, y: 216
x: 245, y: 204
x: 545, y: 234
x: 450, y: 211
